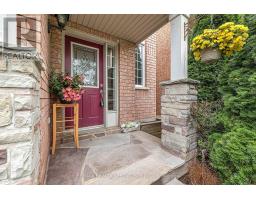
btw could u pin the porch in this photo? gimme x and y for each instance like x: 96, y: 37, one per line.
x: 134, y: 158
x: 112, y: 93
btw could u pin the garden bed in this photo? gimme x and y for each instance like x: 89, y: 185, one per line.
x: 200, y: 174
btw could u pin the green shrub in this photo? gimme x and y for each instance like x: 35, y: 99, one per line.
x: 234, y: 156
x: 205, y: 114
x: 229, y: 132
x: 237, y: 85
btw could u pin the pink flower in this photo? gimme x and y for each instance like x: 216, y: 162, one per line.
x: 81, y: 77
x: 70, y: 94
x: 68, y: 78
x: 68, y: 89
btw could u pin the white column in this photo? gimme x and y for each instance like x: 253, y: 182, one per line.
x: 179, y: 47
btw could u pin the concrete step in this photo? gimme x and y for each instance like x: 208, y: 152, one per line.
x: 130, y: 163
x: 134, y: 158
x: 175, y: 181
x: 153, y: 128
x: 87, y: 134
x: 142, y: 172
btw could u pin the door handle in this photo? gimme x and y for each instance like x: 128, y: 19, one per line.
x: 102, y: 98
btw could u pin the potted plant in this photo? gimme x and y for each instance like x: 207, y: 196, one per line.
x: 225, y: 40
x: 65, y: 88
x: 130, y: 126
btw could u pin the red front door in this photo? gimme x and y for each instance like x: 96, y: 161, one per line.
x: 86, y: 58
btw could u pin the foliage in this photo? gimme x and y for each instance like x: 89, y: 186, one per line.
x: 208, y: 74
x: 55, y: 84
x: 205, y: 115
x: 237, y: 85
x: 66, y: 88
x: 208, y: 77
x: 228, y: 38
x: 228, y: 133
x: 234, y: 156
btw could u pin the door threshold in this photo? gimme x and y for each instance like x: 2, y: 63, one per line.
x: 90, y: 127
x: 89, y: 133
x: 84, y: 128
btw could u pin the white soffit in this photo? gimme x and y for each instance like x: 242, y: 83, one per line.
x: 132, y: 27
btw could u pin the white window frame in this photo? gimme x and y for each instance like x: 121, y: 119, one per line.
x: 112, y: 116
x: 115, y: 76
x: 143, y: 67
x: 11, y: 27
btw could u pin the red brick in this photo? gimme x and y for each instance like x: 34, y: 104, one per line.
x: 162, y: 61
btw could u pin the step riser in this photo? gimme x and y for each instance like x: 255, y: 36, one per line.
x: 176, y: 173
x: 83, y: 135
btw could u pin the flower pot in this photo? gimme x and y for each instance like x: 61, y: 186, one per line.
x: 66, y: 102
x: 130, y: 126
x: 210, y: 55
x: 127, y: 130
x: 62, y: 101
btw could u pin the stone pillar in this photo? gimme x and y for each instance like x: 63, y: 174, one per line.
x: 19, y: 116
x: 178, y: 131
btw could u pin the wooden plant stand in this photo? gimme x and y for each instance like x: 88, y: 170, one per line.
x: 56, y: 121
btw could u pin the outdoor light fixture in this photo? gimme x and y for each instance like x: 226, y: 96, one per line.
x: 62, y: 20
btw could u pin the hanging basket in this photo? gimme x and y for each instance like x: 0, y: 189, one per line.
x: 210, y: 55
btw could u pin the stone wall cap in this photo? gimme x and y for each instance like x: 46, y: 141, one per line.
x: 8, y: 51
x: 180, y: 81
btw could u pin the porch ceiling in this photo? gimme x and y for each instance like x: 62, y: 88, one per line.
x: 131, y: 27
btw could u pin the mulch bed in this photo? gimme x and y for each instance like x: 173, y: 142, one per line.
x: 200, y: 174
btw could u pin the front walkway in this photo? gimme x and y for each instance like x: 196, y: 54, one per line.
x: 133, y: 158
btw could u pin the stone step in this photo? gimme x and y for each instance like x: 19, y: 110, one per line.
x: 101, y: 142
x: 88, y: 134
x: 153, y: 128
x: 150, y: 123
x: 175, y: 181
x: 142, y: 172
x: 116, y: 159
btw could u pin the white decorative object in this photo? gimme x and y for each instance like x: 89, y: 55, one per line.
x: 210, y: 55
x: 130, y: 126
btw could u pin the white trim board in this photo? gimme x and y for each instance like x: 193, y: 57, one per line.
x: 98, y: 40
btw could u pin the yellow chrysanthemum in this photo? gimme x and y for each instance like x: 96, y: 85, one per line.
x: 227, y: 38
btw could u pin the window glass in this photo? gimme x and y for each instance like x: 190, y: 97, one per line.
x: 85, y: 62
x: 140, y: 65
x: 111, y: 70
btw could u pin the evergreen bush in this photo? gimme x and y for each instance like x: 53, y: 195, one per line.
x: 231, y: 139
x: 234, y: 156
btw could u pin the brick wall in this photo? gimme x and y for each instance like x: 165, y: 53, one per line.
x: 33, y: 32
x: 145, y: 99
x: 55, y: 47
x: 44, y: 100
x: 163, y: 44
x: 127, y: 81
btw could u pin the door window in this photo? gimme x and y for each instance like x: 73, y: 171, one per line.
x: 85, y: 62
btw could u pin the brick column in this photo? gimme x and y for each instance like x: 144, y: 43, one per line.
x: 178, y: 132
x: 19, y: 116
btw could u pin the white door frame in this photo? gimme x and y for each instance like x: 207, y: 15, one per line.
x: 98, y: 40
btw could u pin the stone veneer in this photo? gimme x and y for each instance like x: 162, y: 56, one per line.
x: 19, y: 116
x: 179, y: 135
